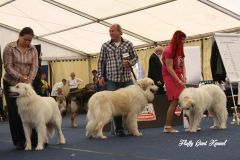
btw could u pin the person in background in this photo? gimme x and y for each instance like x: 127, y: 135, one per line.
x: 95, y: 77
x: 45, y: 87
x: 20, y: 61
x: 95, y: 80
x: 74, y: 82
x: 56, y: 86
x: 174, y: 75
x: 155, y: 69
x: 113, y: 67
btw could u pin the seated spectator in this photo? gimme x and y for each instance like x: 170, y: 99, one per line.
x: 56, y: 86
x: 74, y: 82
x: 45, y: 87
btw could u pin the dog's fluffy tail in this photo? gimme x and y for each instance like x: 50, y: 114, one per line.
x: 92, y: 110
x: 50, y: 130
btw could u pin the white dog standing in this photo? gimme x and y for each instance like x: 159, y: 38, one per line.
x: 207, y: 97
x: 37, y: 112
x: 128, y: 101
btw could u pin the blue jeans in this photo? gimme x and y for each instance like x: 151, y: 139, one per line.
x: 112, y: 86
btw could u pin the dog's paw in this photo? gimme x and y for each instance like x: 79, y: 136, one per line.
x: 192, y: 130
x: 88, y: 135
x: 74, y: 125
x: 138, y: 134
x: 214, y: 127
x: 28, y: 148
x: 39, y: 148
x: 62, y: 141
x: 222, y: 127
x: 102, y: 137
x: 187, y: 130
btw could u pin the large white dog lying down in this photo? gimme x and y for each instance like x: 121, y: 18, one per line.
x: 207, y: 97
x: 127, y: 101
x: 37, y: 112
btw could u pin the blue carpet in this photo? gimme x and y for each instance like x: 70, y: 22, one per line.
x: 154, y: 145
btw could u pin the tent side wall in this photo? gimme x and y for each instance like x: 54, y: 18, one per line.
x: 145, y: 53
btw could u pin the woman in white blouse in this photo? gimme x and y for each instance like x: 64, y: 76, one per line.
x: 74, y: 82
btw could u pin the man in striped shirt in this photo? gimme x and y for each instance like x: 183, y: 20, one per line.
x: 114, y: 66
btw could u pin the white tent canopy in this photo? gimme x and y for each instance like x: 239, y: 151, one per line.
x: 81, y: 26
x: 50, y: 51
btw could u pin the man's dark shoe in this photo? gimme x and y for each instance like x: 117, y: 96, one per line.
x: 45, y: 145
x: 20, y: 146
x: 120, y: 133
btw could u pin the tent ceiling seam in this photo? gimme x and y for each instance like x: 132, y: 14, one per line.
x: 138, y: 9
x: 220, y: 8
x: 67, y: 29
x: 48, y: 41
x: 8, y: 2
x: 102, y: 20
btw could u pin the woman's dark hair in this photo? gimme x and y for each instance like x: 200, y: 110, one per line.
x: 26, y: 30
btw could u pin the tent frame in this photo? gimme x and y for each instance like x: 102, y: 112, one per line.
x: 221, y: 9
x: 47, y: 41
x: 102, y: 20
x: 3, y: 4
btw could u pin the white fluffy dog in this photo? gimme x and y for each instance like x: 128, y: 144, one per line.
x: 37, y: 112
x: 128, y: 101
x: 207, y: 97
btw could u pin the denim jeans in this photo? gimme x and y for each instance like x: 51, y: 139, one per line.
x: 112, y: 86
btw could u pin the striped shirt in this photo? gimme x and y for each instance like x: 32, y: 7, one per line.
x: 110, y: 63
x: 17, y: 64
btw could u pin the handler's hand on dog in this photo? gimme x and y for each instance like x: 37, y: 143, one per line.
x: 182, y: 83
x: 101, y: 82
x: 24, y: 79
x: 126, y: 63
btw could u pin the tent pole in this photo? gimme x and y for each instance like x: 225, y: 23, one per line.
x: 220, y: 8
